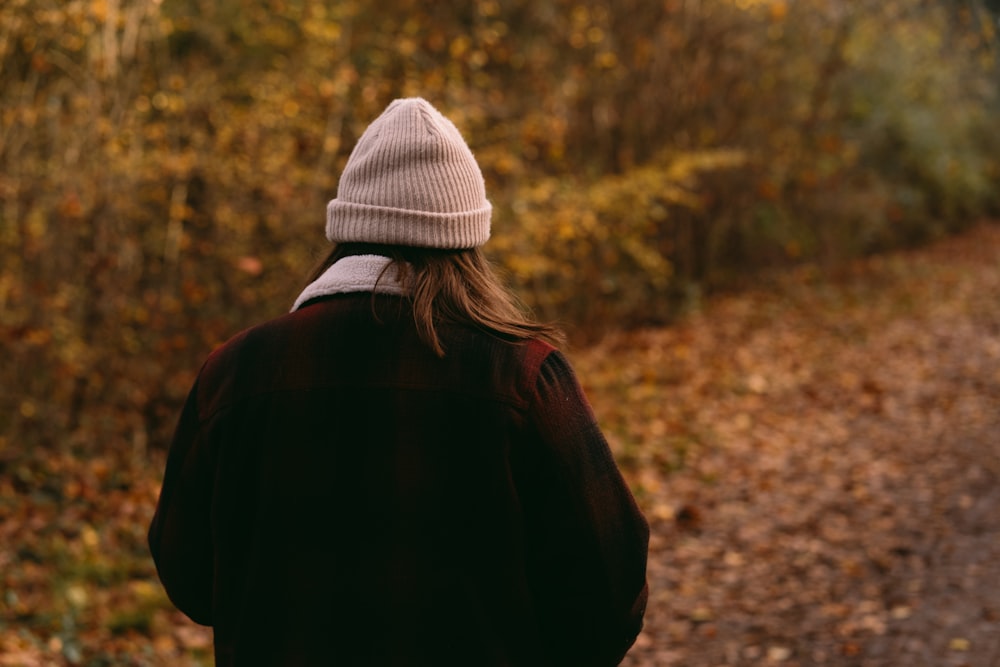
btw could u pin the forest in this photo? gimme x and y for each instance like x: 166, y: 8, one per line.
x: 165, y: 166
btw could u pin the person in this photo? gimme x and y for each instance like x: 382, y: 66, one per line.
x: 403, y: 470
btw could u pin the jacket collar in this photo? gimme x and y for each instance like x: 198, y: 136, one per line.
x: 355, y: 273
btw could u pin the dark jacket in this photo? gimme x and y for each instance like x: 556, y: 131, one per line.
x: 336, y: 494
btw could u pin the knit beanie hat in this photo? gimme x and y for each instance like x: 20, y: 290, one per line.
x: 411, y: 180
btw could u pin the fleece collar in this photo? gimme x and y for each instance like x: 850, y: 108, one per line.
x: 355, y: 273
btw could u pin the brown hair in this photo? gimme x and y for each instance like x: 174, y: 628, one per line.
x: 451, y: 287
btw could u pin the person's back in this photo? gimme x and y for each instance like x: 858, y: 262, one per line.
x: 379, y: 478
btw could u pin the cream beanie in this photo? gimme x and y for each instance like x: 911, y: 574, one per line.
x: 411, y: 180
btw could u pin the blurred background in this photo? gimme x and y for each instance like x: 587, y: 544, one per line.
x: 165, y: 165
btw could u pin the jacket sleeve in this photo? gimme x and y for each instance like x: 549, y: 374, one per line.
x: 180, y: 536
x: 587, y: 540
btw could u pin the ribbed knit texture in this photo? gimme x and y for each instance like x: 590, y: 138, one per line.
x: 411, y: 180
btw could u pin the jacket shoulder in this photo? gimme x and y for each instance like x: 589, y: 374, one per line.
x: 232, y: 364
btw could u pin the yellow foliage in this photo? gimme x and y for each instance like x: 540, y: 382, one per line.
x: 608, y: 237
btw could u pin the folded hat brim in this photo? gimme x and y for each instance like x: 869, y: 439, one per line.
x: 353, y: 222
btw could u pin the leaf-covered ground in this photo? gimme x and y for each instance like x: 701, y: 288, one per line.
x: 820, y: 463
x: 819, y: 460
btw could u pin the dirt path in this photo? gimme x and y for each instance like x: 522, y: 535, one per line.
x: 821, y: 466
